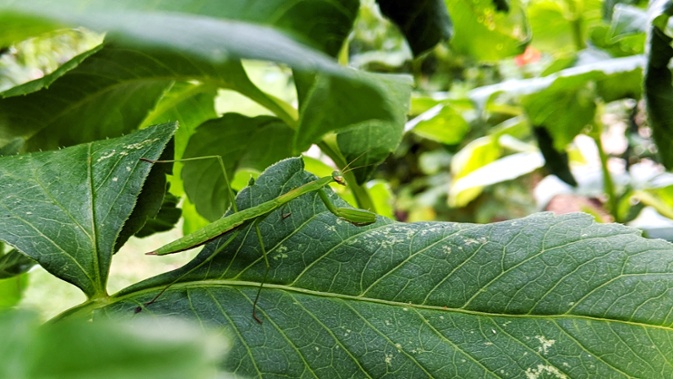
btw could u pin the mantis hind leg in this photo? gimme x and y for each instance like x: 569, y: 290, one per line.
x: 266, y: 273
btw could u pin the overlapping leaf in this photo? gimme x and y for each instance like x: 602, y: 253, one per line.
x: 241, y: 142
x: 541, y: 295
x: 365, y: 133
x: 323, y: 24
x: 658, y: 89
x: 424, y: 23
x: 155, y: 45
x: 66, y: 208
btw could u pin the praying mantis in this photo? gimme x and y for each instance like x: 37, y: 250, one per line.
x: 255, y: 214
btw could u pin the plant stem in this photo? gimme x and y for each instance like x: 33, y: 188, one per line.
x: 608, y: 184
x: 289, y: 115
x: 576, y: 22
x: 360, y: 193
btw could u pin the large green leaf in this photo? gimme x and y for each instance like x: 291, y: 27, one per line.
x: 487, y: 33
x: 11, y: 290
x: 424, y: 23
x: 658, y: 89
x: 141, y: 348
x: 543, y: 295
x: 323, y: 24
x: 154, y: 47
x: 66, y: 208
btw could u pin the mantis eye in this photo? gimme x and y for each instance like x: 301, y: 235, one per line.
x: 338, y: 177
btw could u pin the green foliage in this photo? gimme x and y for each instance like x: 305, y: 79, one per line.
x: 658, y: 87
x: 92, y: 188
x: 140, y: 348
x: 541, y: 295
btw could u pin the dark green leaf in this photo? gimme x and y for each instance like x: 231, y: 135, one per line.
x: 66, y: 208
x: 12, y: 147
x: 156, y: 47
x: 564, y: 109
x: 140, y: 348
x: 190, y: 104
x: 166, y: 219
x: 543, y: 295
x: 658, y: 89
x: 109, y: 94
x: 369, y: 122
x: 14, y: 263
x: 424, y: 23
x: 554, y: 160
x: 150, y: 201
x: 501, y: 5
x: 242, y: 142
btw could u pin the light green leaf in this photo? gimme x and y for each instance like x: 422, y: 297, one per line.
x: 442, y: 123
x: 561, y: 27
x: 470, y: 158
x: 66, y: 208
x: 542, y: 294
x: 11, y: 290
x: 76, y: 349
x: 627, y: 20
x: 605, y: 73
x: 486, y: 33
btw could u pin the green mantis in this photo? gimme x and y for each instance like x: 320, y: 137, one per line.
x: 255, y: 214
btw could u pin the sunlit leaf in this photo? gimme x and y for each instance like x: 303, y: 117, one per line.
x: 487, y: 33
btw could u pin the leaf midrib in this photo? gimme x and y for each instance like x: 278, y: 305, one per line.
x: 215, y: 283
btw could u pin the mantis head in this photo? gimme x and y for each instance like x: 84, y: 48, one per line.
x: 338, y: 177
